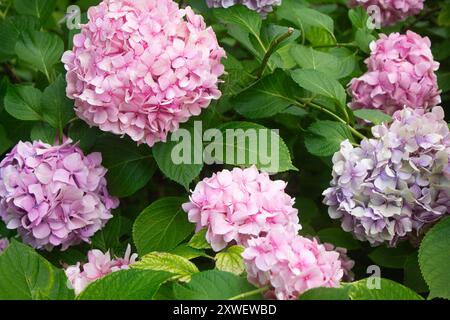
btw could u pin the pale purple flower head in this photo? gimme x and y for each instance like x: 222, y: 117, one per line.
x: 391, y: 11
x: 401, y: 72
x: 261, y: 6
x: 142, y: 67
x: 4, y: 243
x: 99, y: 265
x: 54, y: 195
x: 291, y: 264
x: 395, y: 184
x: 240, y: 204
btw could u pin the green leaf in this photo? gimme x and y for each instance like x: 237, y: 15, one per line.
x: 358, y: 16
x: 412, y: 277
x: 242, y: 143
x: 230, y: 260
x: 40, y: 50
x: 23, y: 102
x: 213, y: 285
x: 326, y: 294
x: 126, y: 285
x: 338, y: 238
x: 374, y: 116
x: 239, y: 15
x: 181, y: 267
x: 271, y: 95
x: 5, y: 142
x: 25, y: 275
x: 44, y: 132
x: 161, y: 226
x: 182, y: 173
x: 389, y: 290
x: 434, y: 259
x: 185, y: 251
x: 336, y: 67
x: 80, y: 132
x: 391, y: 257
x: 363, y: 38
x: 198, y: 240
x: 320, y: 83
x: 10, y: 30
x: 129, y: 167
x: 56, y: 107
x: 41, y: 9
x: 324, y: 137
x: 444, y: 16
x: 109, y: 237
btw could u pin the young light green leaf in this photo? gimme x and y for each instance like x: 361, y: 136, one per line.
x: 41, y: 50
x: 126, y: 285
x: 388, y: 290
x: 231, y: 260
x: 181, y: 267
x: 23, y: 102
x: 198, y: 240
x: 213, y: 285
x: 25, y: 275
x: 185, y: 251
x: 324, y: 137
x: 161, y: 226
x: 434, y: 259
x: 320, y: 83
x: 326, y: 294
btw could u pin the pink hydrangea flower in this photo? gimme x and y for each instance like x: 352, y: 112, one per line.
x: 3, y: 244
x: 54, y: 195
x: 392, y: 11
x: 240, y: 204
x: 142, y: 67
x: 99, y: 265
x: 401, y: 72
x: 290, y: 264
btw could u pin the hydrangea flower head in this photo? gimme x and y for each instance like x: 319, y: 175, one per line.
x: 392, y: 11
x: 240, y: 204
x: 99, y: 265
x: 261, y: 6
x: 142, y: 67
x: 401, y: 72
x: 3, y: 244
x: 54, y: 195
x: 291, y: 264
x: 395, y: 184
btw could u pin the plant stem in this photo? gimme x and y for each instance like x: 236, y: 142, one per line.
x: 249, y: 293
x: 10, y: 73
x: 319, y: 107
x: 272, y: 48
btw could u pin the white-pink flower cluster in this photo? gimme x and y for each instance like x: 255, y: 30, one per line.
x: 401, y: 72
x: 390, y: 11
x: 99, y: 265
x: 290, y: 264
x: 246, y: 207
x: 142, y: 67
x: 240, y: 204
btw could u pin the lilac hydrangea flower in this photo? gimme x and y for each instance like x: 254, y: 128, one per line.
x: 3, y: 244
x: 54, y: 195
x: 261, y: 6
x: 397, y: 183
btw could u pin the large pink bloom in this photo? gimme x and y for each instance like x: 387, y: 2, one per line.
x: 401, y: 72
x: 392, y: 11
x: 99, y: 265
x: 54, y: 195
x: 142, y: 67
x: 240, y: 204
x: 290, y: 264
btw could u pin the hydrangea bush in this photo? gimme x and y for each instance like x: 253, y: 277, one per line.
x: 287, y: 148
